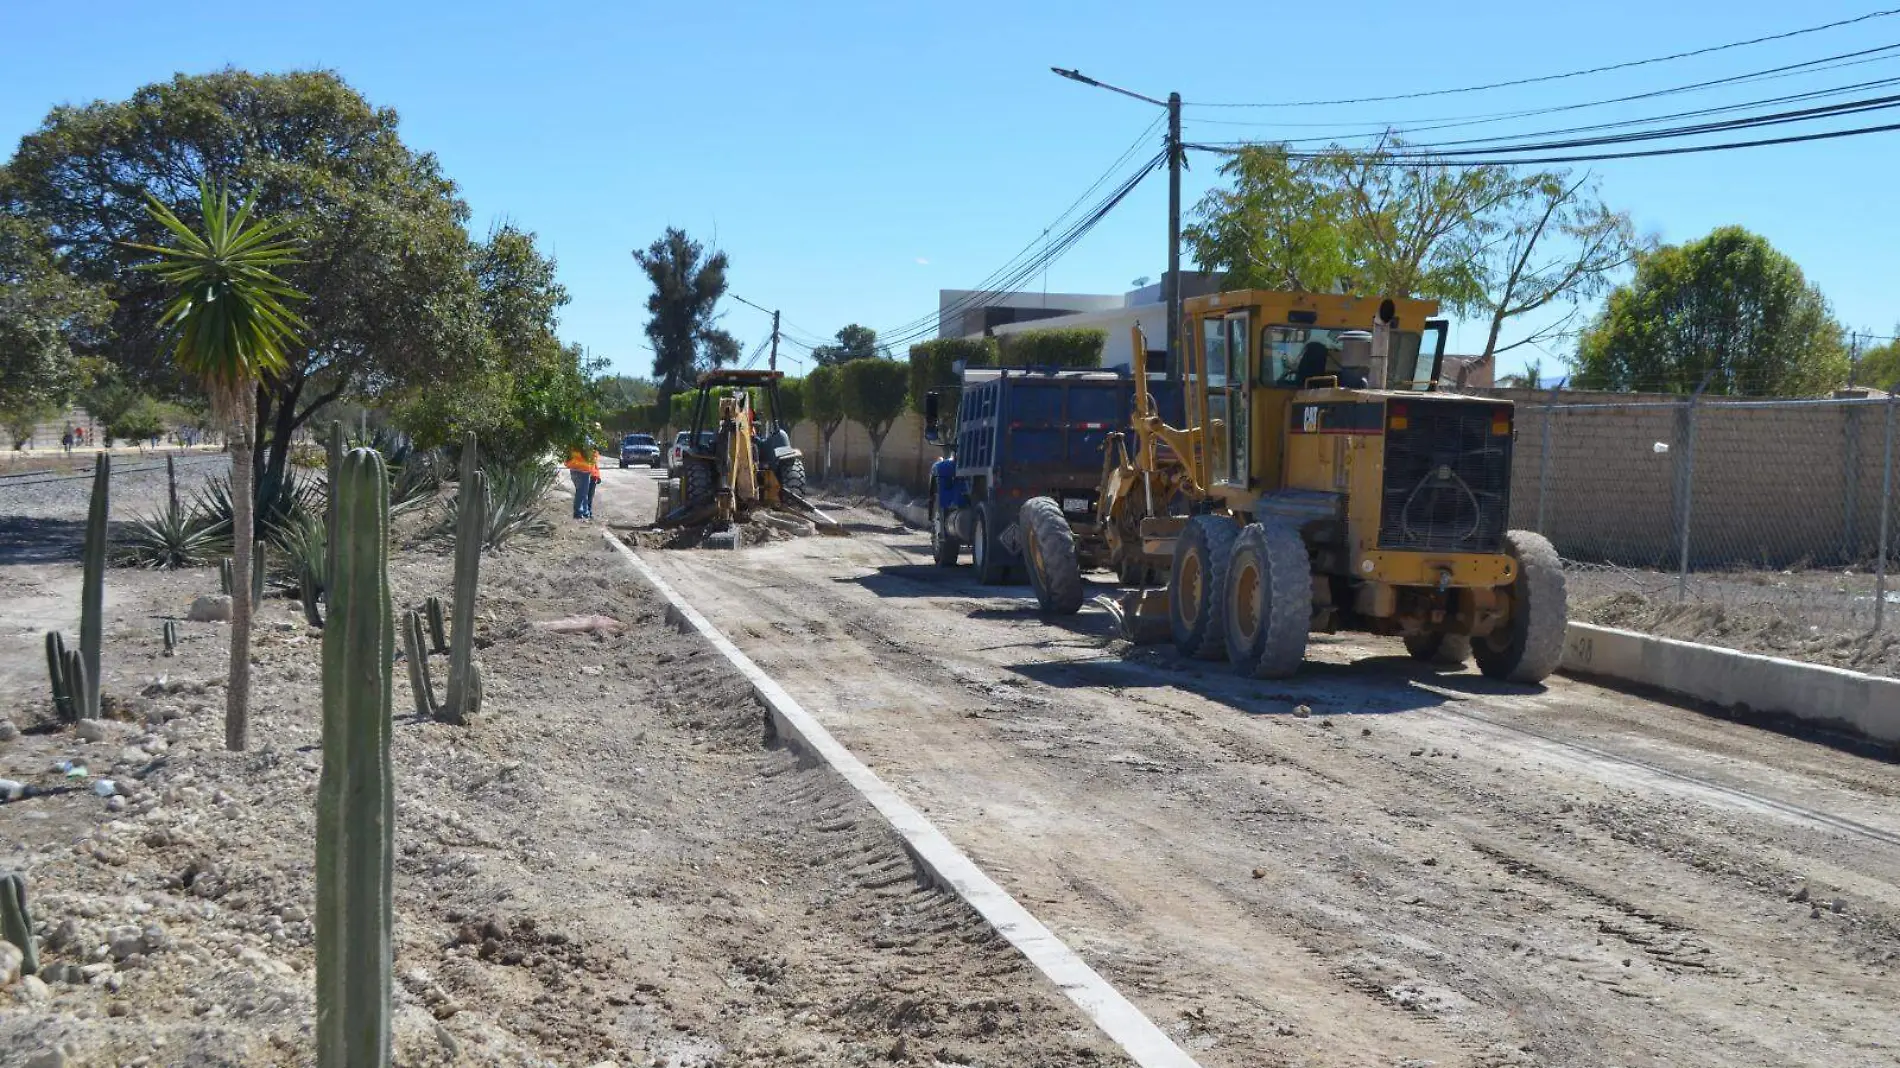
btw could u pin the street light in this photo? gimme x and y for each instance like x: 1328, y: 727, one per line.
x: 1171, y: 283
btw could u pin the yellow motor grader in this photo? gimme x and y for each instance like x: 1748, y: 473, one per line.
x: 1319, y: 482
x: 732, y: 467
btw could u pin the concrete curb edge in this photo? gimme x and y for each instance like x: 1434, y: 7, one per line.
x: 1828, y: 697
x: 1145, y: 1043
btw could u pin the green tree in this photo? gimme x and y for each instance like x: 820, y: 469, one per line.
x: 1485, y: 241
x: 1728, y: 308
x: 687, y: 284
x: 144, y: 420
x: 874, y: 394
x: 825, y: 403
x: 384, y: 254
x: 854, y: 343
x: 791, y: 395
x: 232, y: 325
x: 1880, y: 366
x: 43, y: 311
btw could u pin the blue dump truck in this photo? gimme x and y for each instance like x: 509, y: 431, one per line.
x: 1020, y: 433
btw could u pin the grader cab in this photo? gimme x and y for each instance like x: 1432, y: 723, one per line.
x: 736, y: 464
x: 1321, y: 483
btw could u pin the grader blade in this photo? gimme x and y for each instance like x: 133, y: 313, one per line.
x: 1140, y: 615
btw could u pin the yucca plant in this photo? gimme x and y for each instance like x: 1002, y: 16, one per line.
x: 172, y: 538
x: 517, y: 502
x: 415, y: 482
x: 231, y: 322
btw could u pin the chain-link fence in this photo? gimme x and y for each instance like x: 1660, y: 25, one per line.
x: 1761, y: 524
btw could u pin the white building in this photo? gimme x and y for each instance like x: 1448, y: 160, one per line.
x: 1002, y: 314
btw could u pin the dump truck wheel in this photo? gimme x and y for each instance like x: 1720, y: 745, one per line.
x: 1199, y: 586
x: 1049, y: 549
x: 1531, y: 645
x: 985, y: 553
x: 1268, y: 601
x: 1445, y: 650
x: 699, y: 481
x: 791, y: 476
x: 944, y: 545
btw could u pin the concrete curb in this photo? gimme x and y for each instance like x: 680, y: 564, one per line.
x: 1145, y: 1044
x: 1827, y: 697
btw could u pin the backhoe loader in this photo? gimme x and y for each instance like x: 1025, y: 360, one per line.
x: 732, y: 467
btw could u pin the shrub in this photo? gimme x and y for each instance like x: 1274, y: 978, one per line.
x: 932, y: 366
x: 1054, y: 348
x: 517, y: 502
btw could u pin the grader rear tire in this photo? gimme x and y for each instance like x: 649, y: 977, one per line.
x: 1049, y: 551
x: 1531, y: 645
x: 1196, y: 613
x: 1268, y: 601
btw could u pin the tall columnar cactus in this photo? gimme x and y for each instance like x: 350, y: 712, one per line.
x: 355, y: 793
x: 16, y: 922
x: 73, y: 689
x: 92, y: 590
x: 464, y: 697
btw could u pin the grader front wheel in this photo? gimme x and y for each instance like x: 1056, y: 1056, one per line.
x: 1529, y: 647
x: 1269, y: 602
x: 1199, y: 582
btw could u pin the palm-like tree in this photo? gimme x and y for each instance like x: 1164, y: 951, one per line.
x: 232, y: 322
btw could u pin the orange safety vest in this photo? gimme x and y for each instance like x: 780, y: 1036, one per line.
x: 584, y: 461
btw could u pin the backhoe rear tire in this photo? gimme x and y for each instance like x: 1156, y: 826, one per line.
x: 1049, y: 551
x: 1268, y: 601
x: 1529, y: 647
x: 791, y: 476
x: 699, y: 481
x: 1444, y: 650
x: 1198, y: 586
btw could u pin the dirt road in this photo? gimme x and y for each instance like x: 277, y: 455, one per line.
x: 1428, y: 868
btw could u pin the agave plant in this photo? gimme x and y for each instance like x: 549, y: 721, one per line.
x: 170, y: 538
x: 302, y: 544
x: 517, y: 502
x: 414, y: 482
x: 294, y: 497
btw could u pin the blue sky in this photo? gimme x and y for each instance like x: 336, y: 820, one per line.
x: 853, y: 158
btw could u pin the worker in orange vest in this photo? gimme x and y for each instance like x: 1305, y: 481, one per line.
x: 583, y: 466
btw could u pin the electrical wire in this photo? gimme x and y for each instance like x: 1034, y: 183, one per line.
x: 1048, y: 254
x: 1413, y: 161
x: 1626, y: 65
x: 988, y: 284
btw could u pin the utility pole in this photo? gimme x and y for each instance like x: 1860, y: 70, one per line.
x: 1170, y: 282
x: 775, y: 339
x: 1171, y: 285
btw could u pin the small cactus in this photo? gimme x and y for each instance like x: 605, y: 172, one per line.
x: 75, y: 697
x: 438, y: 633
x: 224, y: 576
x: 16, y: 922
x: 355, y: 792
x: 170, y: 633
x: 227, y: 583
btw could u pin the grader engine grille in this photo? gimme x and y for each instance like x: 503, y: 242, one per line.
x: 1447, y: 476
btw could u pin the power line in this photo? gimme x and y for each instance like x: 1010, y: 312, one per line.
x: 1411, y: 161
x: 1566, y: 74
x: 988, y: 284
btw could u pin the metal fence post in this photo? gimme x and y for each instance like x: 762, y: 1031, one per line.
x: 1543, y: 469
x: 1886, y: 512
x: 1688, y: 495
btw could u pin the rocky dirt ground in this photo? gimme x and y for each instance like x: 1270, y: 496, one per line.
x: 1810, y: 630
x: 611, y: 866
x: 1372, y: 864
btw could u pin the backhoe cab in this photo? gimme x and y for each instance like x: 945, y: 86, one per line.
x: 1321, y: 483
x: 734, y: 463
